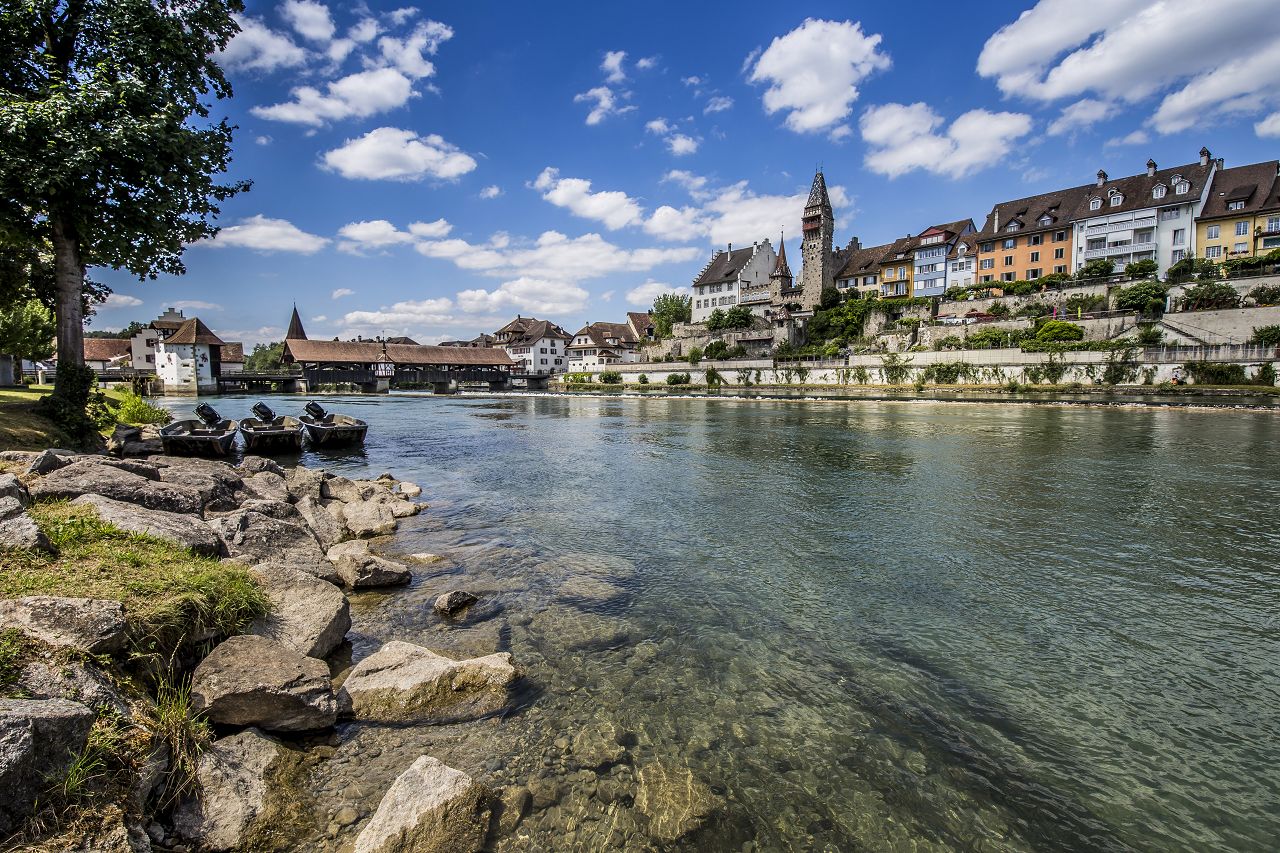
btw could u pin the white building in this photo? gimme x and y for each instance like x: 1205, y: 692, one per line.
x: 722, y: 282
x: 536, y: 346
x: 599, y: 346
x: 1143, y: 217
x: 932, y: 251
x: 143, y: 344
x: 189, y: 360
x: 962, y: 262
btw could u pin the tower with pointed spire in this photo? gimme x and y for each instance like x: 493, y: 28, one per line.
x: 296, y: 332
x: 818, y: 226
x: 780, y: 279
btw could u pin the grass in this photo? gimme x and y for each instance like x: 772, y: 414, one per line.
x: 23, y: 429
x: 172, y: 597
x: 13, y: 654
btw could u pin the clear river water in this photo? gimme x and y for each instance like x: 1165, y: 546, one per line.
x: 860, y: 625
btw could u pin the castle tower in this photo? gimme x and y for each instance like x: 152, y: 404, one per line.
x: 296, y: 332
x: 780, y: 279
x: 819, y: 229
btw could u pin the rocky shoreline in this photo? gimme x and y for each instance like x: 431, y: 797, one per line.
x: 308, y: 537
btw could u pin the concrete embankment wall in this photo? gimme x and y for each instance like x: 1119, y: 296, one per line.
x: 1232, y: 325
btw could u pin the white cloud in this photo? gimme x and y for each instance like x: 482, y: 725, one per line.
x: 612, y: 66
x: 491, y: 191
x: 813, y: 72
x: 643, y: 295
x: 695, y: 184
x: 645, y: 63
x: 341, y: 292
x: 526, y: 294
x: 358, y: 95
x: 358, y: 237
x: 319, y: 318
x: 252, y: 337
x: 679, y: 144
x: 1227, y: 56
x: 658, y: 126
x: 676, y: 224
x: 738, y: 215
x: 392, y: 154
x: 263, y: 234
x: 364, y: 30
x: 409, y: 54
x: 1137, y: 137
x: 691, y: 80
x: 1269, y: 126
x: 553, y: 257
x: 718, y: 104
x: 120, y: 300
x: 607, y: 296
x: 309, y: 19
x: 1083, y: 113
x: 257, y: 47
x: 902, y: 139
x: 430, y: 230
x: 263, y: 140
x: 605, y: 104
x: 402, y: 315
x: 197, y: 305
x: 615, y: 209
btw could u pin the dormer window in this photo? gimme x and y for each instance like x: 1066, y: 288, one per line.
x: 1095, y: 204
x: 1045, y: 220
x: 1013, y: 226
x: 1159, y: 191
x: 1117, y: 198
x: 1235, y: 205
x: 1182, y: 188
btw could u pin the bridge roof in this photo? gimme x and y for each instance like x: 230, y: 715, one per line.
x: 367, y: 352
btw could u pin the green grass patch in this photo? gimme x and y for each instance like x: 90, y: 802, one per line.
x: 135, y: 410
x: 172, y: 597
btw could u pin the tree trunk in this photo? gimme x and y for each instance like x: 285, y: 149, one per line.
x: 69, y: 280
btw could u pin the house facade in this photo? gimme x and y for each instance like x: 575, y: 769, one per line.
x: 599, y: 346
x: 536, y: 347
x: 189, y: 360
x: 861, y: 271
x: 735, y: 276
x: 933, y: 246
x: 1026, y: 238
x: 107, y: 353
x: 962, y: 262
x: 897, y: 268
x: 142, y: 345
x: 1241, y: 215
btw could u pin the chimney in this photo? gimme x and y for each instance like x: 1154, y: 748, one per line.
x: 1102, y: 177
x: 1204, y: 156
x: 1151, y: 168
x: 731, y: 248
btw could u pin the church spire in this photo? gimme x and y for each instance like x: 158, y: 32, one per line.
x: 296, y: 332
x: 780, y: 268
x: 818, y: 192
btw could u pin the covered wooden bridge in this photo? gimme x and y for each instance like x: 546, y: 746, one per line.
x: 377, y: 366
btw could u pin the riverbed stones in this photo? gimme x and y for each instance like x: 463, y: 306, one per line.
x: 307, y: 614
x: 402, y: 682
x: 18, y: 530
x: 266, y: 539
x: 83, y: 477
x: 39, y: 738
x: 676, y: 803
x: 430, y: 808
x: 266, y: 486
x: 11, y: 487
x: 305, y: 482
x: 328, y: 530
x: 359, y: 568
x: 251, y: 465
x: 183, y: 530
x: 368, y: 518
x: 72, y: 680
x: 257, y: 681
x: 409, y: 490
x: 233, y: 775
x: 91, y: 625
x: 453, y: 601
x: 46, y: 462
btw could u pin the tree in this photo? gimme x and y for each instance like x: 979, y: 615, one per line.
x: 1141, y: 269
x: 106, y: 156
x: 126, y: 333
x: 1100, y: 268
x: 265, y: 357
x: 829, y: 298
x: 1210, y: 295
x: 669, y: 309
x: 1059, y: 330
x: 716, y: 320
x: 739, y: 317
x: 1146, y: 297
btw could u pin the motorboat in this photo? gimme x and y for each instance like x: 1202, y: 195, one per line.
x: 331, y: 430
x: 266, y: 432
x: 208, y: 434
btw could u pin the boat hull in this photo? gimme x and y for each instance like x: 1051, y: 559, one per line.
x: 261, y: 438
x: 182, y: 439
x: 335, y: 431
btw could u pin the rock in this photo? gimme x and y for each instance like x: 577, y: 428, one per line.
x: 19, y: 530
x: 215, y: 482
x: 591, y: 590
x: 89, y: 478
x: 360, y: 569
x: 233, y: 776
x: 256, y: 681
x: 121, y: 436
x: 133, y: 466
x: 513, y: 805
x: 430, y: 808
x: 676, y: 803
x: 307, y: 614
x: 342, y: 489
x: 18, y: 457
x: 424, y: 557
x: 268, y: 540
x: 11, y: 487
x: 47, y: 462
x: 145, y: 447
x: 186, y: 531
x: 257, y: 464
x: 328, y: 530
x: 74, y: 681
x: 596, y: 745
x: 399, y: 508
x: 453, y: 601
x: 273, y: 509
x: 402, y: 681
x: 89, y: 624
x: 39, y: 738
x: 368, y: 519
x: 304, y: 482
x: 409, y: 490
x: 267, y: 486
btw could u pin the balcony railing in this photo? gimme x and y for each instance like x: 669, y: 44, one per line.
x: 1123, y: 225
x: 751, y: 296
x: 1113, y: 251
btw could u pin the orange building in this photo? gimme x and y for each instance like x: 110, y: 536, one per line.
x: 1027, y: 238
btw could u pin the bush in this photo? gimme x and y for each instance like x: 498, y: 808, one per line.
x: 1267, y: 336
x: 949, y: 342
x: 1141, y: 269
x: 135, y: 410
x: 695, y: 356
x: 1100, y: 268
x: 1266, y: 294
x: 716, y: 350
x: 993, y: 339
x: 577, y: 378
x: 677, y: 379
x: 1021, y: 288
x: 738, y: 351
x: 944, y: 373
x: 1083, y: 303
x: 1034, y: 309
x: 1060, y: 330
x: 895, y: 368
x: 715, y: 320
x: 1146, y: 297
x: 1150, y: 335
x: 1266, y: 375
x: 714, y: 378
x: 1210, y: 295
x: 642, y: 379
x: 611, y: 377
x: 1216, y: 373
x: 999, y: 309
x: 829, y: 298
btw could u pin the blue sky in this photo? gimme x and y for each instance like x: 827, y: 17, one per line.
x: 433, y: 170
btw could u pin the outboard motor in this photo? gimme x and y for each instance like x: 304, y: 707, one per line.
x: 264, y: 413
x: 207, y: 414
x: 315, y: 410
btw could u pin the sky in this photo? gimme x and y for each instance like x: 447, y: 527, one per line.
x: 434, y: 170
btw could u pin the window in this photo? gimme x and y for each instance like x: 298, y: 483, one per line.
x: 1059, y: 254
x: 1095, y: 204
x: 986, y: 263
x: 1273, y: 224
x: 1212, y: 232
x: 1169, y: 213
x: 991, y: 247
x: 1013, y: 226
x: 1045, y: 220
x: 932, y: 238
x: 1213, y: 251
x: 1116, y: 199
x: 1008, y: 260
x: 1006, y: 276
x: 1235, y: 205
x: 1159, y: 191
x: 986, y: 278
x: 902, y: 272
x: 1271, y: 243
x: 1097, y: 243
x: 1060, y: 268
x: 1034, y: 273
x: 888, y: 273
x: 1010, y: 243
x: 1179, y: 254
x: 1035, y: 239
x: 544, y: 350
x: 1242, y: 228
x: 1035, y: 256
x: 1059, y: 236
x: 1182, y: 188
x: 1179, y: 236
x: 1239, y: 248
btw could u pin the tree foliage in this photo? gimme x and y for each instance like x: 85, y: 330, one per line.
x: 1146, y: 297
x: 737, y: 317
x: 264, y: 357
x: 1210, y: 295
x: 669, y: 309
x: 1100, y: 268
x: 1059, y: 330
x: 126, y: 333
x: 1141, y: 269
x: 26, y: 330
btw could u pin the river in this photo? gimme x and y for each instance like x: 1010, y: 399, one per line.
x: 863, y: 625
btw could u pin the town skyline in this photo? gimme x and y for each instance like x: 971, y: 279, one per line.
x: 380, y: 232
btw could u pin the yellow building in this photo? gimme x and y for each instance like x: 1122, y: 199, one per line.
x: 896, y: 268
x: 1241, y: 216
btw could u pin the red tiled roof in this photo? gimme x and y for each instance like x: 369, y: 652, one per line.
x: 367, y: 352
x: 105, y: 349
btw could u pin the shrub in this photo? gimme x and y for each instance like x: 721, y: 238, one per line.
x: 1100, y: 268
x: 895, y: 368
x: 577, y: 378
x: 1060, y: 330
x: 999, y: 309
x: 1266, y: 375
x: 1189, y: 268
x: 611, y: 377
x: 738, y: 351
x: 1150, y: 335
x: 1146, y: 297
x: 1267, y: 336
x: 715, y: 320
x: 944, y: 373
x: 829, y: 298
x: 716, y: 350
x: 135, y: 410
x: 1141, y: 269
x: 1266, y: 294
x: 1034, y: 309
x: 695, y: 356
x: 1215, y: 373
x: 1083, y: 303
x: 643, y: 379
x: 714, y: 378
x: 1210, y: 295
x: 993, y: 339
x: 677, y: 379
x: 1021, y: 288
x: 949, y: 342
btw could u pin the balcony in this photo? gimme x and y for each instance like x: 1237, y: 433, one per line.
x: 1118, y: 250
x: 1122, y: 225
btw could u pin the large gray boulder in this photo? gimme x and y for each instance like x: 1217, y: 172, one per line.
x: 215, y: 482
x: 402, y: 681
x: 90, y: 478
x: 256, y: 681
x: 676, y: 802
x: 430, y: 808
x: 89, y: 624
x: 11, y: 487
x: 234, y: 788
x: 368, y: 518
x: 268, y: 540
x: 18, y: 530
x: 46, y: 461
x: 307, y: 614
x: 266, y: 486
x: 39, y: 738
x: 328, y: 530
x: 305, y: 482
x: 359, y: 568
x: 251, y: 465
x: 185, y: 531
x: 71, y: 680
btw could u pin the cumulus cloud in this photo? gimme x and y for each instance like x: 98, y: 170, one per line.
x: 645, y: 63
x: 902, y: 138
x: 263, y: 234
x: 341, y: 292
x: 534, y: 295
x: 643, y: 295
x: 604, y: 104
x: 676, y: 224
x: 1120, y: 51
x: 615, y: 209
x: 309, y: 19
x: 263, y: 140
x: 694, y: 184
x: 1080, y: 115
x: 718, y: 104
x: 491, y: 191
x: 252, y: 337
x: 257, y: 47
x: 553, y: 257
x: 120, y: 300
x: 409, y: 54
x: 392, y: 154
x: 1269, y: 126
x: 358, y: 95
x: 679, y: 144
x: 813, y: 72
x: 359, y: 237
x: 1137, y: 137
x: 197, y: 305
x: 612, y: 66
x: 658, y: 126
